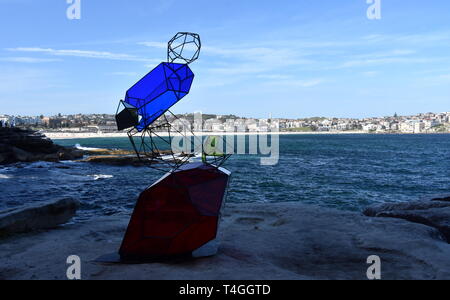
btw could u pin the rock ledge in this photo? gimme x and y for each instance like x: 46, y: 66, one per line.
x: 19, y: 145
x: 435, y: 213
x: 37, y: 216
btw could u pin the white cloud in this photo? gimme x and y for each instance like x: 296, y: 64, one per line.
x: 158, y: 45
x: 82, y: 53
x: 268, y: 58
x: 238, y: 69
x: 124, y: 73
x: 370, y: 73
x: 437, y: 80
x: 387, y: 60
x: 261, y: 54
x: 388, y: 53
x: 298, y: 83
x: 30, y: 60
x: 274, y: 76
x: 417, y: 39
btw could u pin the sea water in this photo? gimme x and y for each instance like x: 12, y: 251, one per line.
x: 347, y: 172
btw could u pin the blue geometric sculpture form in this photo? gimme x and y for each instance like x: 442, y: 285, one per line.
x: 150, y: 99
x: 158, y: 91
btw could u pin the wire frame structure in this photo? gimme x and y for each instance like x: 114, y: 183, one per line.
x: 184, y: 46
x: 154, y: 145
x: 145, y: 110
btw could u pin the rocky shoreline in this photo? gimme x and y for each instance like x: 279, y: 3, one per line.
x: 33, y: 217
x: 434, y: 213
x: 19, y: 145
x: 259, y: 241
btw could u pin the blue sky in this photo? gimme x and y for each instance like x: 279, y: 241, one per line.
x: 297, y: 58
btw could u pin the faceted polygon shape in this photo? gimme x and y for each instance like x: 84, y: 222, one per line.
x: 159, y: 90
x: 127, y: 118
x: 184, y: 46
x: 178, y: 214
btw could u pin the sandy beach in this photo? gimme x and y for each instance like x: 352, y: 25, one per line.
x: 74, y: 135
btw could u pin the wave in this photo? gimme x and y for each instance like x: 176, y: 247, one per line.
x: 2, y: 176
x: 68, y: 162
x: 79, y: 147
x: 100, y: 176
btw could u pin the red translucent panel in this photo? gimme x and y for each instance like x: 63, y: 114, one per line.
x: 178, y: 214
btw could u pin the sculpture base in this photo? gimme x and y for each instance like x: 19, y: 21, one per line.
x: 178, y: 215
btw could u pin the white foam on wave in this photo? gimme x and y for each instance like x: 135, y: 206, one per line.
x: 79, y: 147
x: 100, y: 176
x: 68, y: 162
x: 3, y: 176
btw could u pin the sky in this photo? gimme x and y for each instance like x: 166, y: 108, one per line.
x: 288, y: 59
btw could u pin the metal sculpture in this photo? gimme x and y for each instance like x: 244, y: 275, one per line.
x: 180, y: 213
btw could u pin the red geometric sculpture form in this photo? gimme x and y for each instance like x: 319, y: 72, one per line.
x: 177, y: 215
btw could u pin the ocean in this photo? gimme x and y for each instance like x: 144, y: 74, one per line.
x: 347, y: 172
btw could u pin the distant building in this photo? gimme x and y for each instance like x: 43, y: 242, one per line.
x: 419, y: 127
x: 421, y: 123
x: 369, y: 127
x: 407, y: 127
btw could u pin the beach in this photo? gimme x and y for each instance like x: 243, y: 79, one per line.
x: 75, y: 135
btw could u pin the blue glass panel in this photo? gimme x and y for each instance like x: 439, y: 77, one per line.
x: 186, y: 84
x: 159, y: 90
x: 156, y: 108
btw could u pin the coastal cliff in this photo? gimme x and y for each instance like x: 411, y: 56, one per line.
x: 19, y: 145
